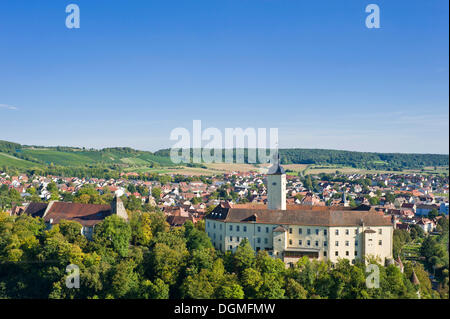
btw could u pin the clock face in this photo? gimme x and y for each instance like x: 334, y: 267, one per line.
x: 274, y: 183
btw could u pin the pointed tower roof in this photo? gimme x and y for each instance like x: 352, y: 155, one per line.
x: 399, y: 261
x: 276, y: 168
x: 414, y: 278
x: 400, y: 264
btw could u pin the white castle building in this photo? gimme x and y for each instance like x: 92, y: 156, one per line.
x: 291, y: 232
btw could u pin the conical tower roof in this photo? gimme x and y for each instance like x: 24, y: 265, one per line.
x: 276, y: 168
x: 400, y: 264
x: 414, y: 279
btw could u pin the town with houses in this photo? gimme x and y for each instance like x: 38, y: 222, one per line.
x: 413, y: 195
x: 328, y: 218
x: 228, y: 157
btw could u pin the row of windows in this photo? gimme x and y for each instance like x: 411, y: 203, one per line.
x: 347, y: 243
x: 238, y: 227
x: 300, y: 230
x: 347, y: 253
x: 347, y: 232
x: 244, y: 228
x: 308, y: 243
x: 214, y: 236
x: 316, y: 243
x: 238, y: 239
x: 336, y: 232
x: 308, y: 231
x: 258, y: 239
x: 317, y: 231
x: 300, y: 242
x: 214, y: 225
x: 336, y: 253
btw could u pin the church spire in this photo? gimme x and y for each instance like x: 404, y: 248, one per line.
x: 276, y: 168
x: 276, y: 186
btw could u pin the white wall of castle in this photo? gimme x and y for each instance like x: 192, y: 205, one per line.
x: 331, y: 243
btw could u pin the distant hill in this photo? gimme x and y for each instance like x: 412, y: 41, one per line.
x: 108, y: 161
x: 366, y: 160
x: 67, y: 160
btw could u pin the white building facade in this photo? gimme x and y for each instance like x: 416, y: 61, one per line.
x: 289, y: 233
x: 290, y: 241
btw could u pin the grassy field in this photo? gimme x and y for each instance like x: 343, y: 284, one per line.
x: 332, y: 169
x: 58, y: 158
x: 435, y: 170
x: 293, y: 169
x: 182, y: 170
x: 134, y: 161
x: 8, y: 160
x: 211, y: 169
x: 208, y: 170
x: 227, y: 167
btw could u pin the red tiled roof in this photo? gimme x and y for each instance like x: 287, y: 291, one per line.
x: 326, y: 216
x: 85, y: 214
x: 36, y: 209
x: 178, y: 220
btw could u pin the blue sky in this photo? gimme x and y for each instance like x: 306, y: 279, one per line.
x: 137, y: 69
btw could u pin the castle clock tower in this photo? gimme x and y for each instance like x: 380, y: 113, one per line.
x: 276, y: 187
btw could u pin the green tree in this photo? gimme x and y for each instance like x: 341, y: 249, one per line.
x: 433, y: 213
x: 72, y: 232
x: 124, y: 282
x: 244, y: 258
x: 133, y: 203
x: 113, y: 233
x: 141, y: 228
x: 294, y: 290
x: 155, y: 290
x: 390, y: 198
x: 156, y: 193
x: 195, y: 239
x: 230, y: 288
x: 198, y: 286
x: 416, y: 232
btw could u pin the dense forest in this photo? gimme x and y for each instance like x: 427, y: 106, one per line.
x: 390, y: 161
